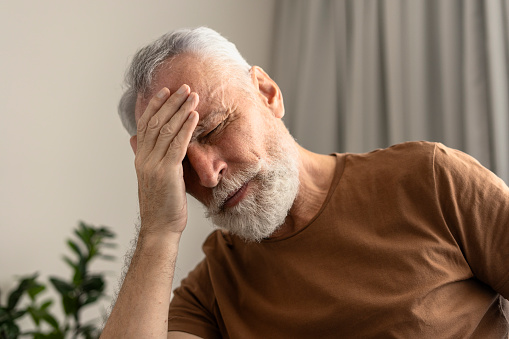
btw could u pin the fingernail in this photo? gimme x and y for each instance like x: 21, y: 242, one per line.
x: 182, y: 89
x: 161, y: 93
x: 190, y: 97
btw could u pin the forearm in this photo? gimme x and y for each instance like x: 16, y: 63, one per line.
x: 141, y: 310
x: 163, y: 135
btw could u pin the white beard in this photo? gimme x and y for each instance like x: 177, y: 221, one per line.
x: 273, y: 187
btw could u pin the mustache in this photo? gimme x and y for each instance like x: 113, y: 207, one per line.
x: 228, y: 186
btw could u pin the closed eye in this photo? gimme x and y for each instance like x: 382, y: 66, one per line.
x: 216, y: 129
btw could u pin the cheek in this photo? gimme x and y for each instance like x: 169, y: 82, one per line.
x: 243, y: 143
x: 237, y: 150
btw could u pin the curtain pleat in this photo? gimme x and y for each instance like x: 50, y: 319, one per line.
x: 498, y: 84
x: 358, y: 75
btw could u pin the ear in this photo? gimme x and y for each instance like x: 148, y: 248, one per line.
x: 134, y: 143
x: 269, y: 90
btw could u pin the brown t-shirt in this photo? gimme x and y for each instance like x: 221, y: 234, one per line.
x: 411, y: 242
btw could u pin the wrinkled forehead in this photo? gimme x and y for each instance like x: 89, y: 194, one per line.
x: 213, y: 86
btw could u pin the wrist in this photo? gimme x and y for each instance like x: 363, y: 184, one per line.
x: 158, y: 240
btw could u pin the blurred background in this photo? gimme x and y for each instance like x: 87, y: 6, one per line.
x: 355, y: 75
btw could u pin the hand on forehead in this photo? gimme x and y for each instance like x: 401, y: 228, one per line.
x: 190, y: 70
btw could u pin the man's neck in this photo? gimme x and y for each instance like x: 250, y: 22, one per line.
x: 316, y: 172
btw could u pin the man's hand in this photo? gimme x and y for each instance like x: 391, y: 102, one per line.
x: 164, y: 132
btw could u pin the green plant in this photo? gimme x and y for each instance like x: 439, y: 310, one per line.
x: 11, y: 313
x: 83, y: 289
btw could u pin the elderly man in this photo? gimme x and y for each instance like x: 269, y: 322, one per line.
x: 409, y: 242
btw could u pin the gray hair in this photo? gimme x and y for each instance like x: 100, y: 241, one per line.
x: 201, y: 41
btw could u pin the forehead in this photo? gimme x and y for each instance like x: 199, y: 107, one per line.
x: 213, y: 89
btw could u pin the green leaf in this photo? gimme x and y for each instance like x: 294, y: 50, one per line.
x: 14, y: 298
x: 46, y: 304
x: 81, y: 235
x: 75, y: 248
x: 16, y: 295
x: 92, y: 299
x: 4, y: 315
x: 94, y: 283
x: 69, y: 262
x: 51, y: 320
x: 10, y: 315
x: 18, y: 314
x: 9, y: 330
x: 35, y: 289
x: 63, y: 287
x: 35, y: 314
x: 84, y: 232
x: 71, y: 305
x: 105, y: 232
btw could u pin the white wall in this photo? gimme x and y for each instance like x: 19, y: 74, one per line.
x: 64, y: 155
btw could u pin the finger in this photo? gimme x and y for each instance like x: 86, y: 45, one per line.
x: 171, y: 129
x: 164, y: 114
x: 178, y: 149
x: 153, y: 106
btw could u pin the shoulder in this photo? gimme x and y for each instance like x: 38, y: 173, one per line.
x: 455, y: 161
x: 405, y: 158
x: 458, y: 171
x: 406, y: 150
x: 410, y: 151
x: 432, y: 159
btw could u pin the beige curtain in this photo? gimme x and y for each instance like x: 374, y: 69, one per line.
x: 363, y: 74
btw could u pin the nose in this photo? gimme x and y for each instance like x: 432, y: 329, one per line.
x: 207, y: 164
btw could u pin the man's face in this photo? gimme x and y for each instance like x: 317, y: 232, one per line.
x: 241, y: 163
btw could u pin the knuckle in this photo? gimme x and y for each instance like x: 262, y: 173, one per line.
x: 140, y: 126
x: 176, y: 143
x: 153, y: 122
x: 167, y: 129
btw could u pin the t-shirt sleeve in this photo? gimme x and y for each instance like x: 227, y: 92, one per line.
x: 475, y: 206
x: 192, y: 306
